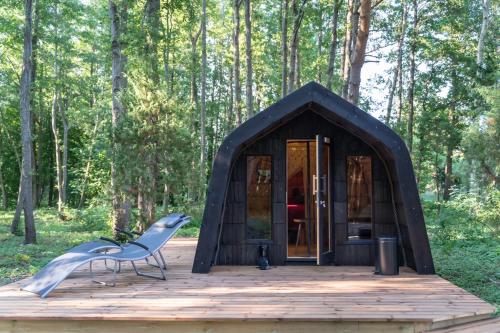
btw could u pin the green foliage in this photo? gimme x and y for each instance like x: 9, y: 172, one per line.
x: 465, y: 241
x: 55, y: 237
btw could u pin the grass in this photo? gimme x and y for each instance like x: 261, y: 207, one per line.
x: 465, y: 241
x: 54, y: 237
x: 464, y: 236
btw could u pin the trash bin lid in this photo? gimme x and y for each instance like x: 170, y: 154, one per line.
x: 387, y: 239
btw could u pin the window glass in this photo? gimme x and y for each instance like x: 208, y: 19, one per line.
x: 359, y: 197
x: 259, y: 197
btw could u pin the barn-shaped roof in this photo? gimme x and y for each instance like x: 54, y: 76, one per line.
x: 386, y: 143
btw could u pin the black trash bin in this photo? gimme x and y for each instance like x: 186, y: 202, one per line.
x: 387, y: 256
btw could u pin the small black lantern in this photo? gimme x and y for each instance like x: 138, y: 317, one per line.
x: 263, y: 261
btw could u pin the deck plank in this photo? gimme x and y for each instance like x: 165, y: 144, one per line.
x: 230, y: 293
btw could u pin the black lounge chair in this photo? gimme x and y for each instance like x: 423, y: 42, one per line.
x: 147, y: 246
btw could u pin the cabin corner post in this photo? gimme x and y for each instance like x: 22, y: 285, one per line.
x: 413, y: 214
x: 213, y: 212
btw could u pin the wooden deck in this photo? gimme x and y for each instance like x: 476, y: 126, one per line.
x: 283, y: 299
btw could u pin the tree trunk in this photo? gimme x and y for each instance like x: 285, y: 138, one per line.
x: 298, y: 15
x: 86, y: 174
x: 333, y: 44
x: 248, y: 35
x: 230, y: 107
x: 236, y: 50
x: 451, y: 141
x: 203, y: 138
x: 164, y: 204
x: 35, y: 151
x: 151, y: 158
x: 359, y: 50
x: 121, y: 206
x: 482, y: 36
x: 194, y: 65
x: 350, y: 38
x: 448, y: 172
x: 26, y: 177
x: 64, y: 166
x: 400, y: 96
x: 399, y: 64
x: 59, y: 171
x: 319, y: 72
x: 166, y: 49
x: 436, y: 175
x: 3, y: 192
x: 284, y: 46
x: 14, y: 227
x: 40, y: 161
x: 411, y: 85
x: 16, y: 220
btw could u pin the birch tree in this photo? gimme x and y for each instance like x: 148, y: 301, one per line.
x: 482, y: 35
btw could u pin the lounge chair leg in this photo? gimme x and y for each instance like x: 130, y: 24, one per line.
x: 164, y: 265
x: 162, y: 270
x: 115, y: 270
x: 163, y: 260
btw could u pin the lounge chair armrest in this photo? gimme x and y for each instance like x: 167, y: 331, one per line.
x: 140, y: 245
x: 110, y: 240
x: 126, y: 233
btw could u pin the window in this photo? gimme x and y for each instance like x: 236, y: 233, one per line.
x: 359, y: 197
x: 259, y: 197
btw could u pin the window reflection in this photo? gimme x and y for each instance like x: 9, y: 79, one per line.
x: 259, y: 197
x: 359, y: 197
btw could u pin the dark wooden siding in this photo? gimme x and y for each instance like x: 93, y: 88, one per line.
x: 235, y: 249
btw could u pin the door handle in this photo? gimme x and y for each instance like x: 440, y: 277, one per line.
x: 315, y: 181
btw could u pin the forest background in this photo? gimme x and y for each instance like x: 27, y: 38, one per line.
x: 111, y: 112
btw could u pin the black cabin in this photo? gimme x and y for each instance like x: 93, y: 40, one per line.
x: 317, y: 180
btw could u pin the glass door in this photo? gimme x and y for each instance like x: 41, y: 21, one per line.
x: 301, y: 214
x: 321, y: 193
x: 308, y: 200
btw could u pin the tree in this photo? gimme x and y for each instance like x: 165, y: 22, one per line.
x: 359, y: 50
x: 482, y: 36
x: 298, y: 15
x: 351, y: 30
x: 333, y: 43
x: 3, y: 191
x: 248, y: 51
x: 236, y: 49
x: 284, y: 47
x: 411, y: 84
x: 203, y: 139
x: 26, y: 176
x: 398, y: 69
x: 118, y: 17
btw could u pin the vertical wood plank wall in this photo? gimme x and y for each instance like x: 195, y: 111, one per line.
x: 235, y: 249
